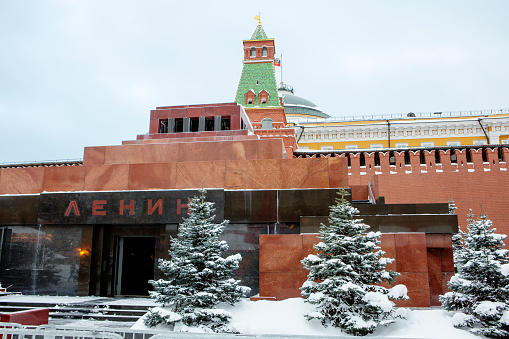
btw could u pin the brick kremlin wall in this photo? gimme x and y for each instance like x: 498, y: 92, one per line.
x: 469, y: 190
x: 469, y: 183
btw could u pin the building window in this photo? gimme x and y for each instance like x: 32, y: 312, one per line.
x: 225, y: 123
x: 267, y: 123
x: 253, y: 52
x: 505, y: 142
x: 264, y: 52
x: 479, y: 142
x: 209, y: 123
x: 179, y: 125
x: 263, y: 97
x: 376, y: 146
x: 195, y: 123
x: 249, y: 97
x: 163, y: 126
x: 427, y: 144
x: 303, y: 147
x: 453, y: 143
x: 351, y: 146
x: 328, y: 147
x: 401, y: 145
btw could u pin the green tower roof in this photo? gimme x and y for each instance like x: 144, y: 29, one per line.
x: 257, y: 77
x: 259, y: 33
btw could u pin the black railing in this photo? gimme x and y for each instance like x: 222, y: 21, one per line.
x: 44, y: 163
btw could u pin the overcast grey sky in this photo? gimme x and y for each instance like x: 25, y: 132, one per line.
x: 76, y: 73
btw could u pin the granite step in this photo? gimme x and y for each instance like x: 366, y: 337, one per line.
x: 92, y: 311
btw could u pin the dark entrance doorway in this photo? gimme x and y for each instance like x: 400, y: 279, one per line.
x: 135, y: 265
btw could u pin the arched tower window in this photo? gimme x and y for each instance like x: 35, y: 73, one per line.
x: 267, y: 123
x: 253, y: 52
x: 264, y: 51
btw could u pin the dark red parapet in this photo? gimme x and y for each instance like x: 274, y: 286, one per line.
x: 35, y: 317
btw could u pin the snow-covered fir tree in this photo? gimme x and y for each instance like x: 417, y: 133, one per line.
x: 452, y: 206
x: 199, y: 277
x: 343, y: 274
x: 457, y: 238
x: 480, y: 289
x: 458, y: 242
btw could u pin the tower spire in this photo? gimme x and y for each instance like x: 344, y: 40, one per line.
x: 257, y: 86
x: 257, y: 17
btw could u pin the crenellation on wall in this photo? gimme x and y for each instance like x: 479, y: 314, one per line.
x: 493, y: 158
x: 445, y: 160
x: 421, y: 161
x: 399, y: 162
x: 429, y: 156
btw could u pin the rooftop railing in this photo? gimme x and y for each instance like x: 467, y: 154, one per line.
x: 43, y: 163
x: 410, y: 115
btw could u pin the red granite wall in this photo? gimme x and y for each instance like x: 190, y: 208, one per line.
x: 286, y: 134
x: 424, y: 261
x: 230, y: 110
x: 246, y: 164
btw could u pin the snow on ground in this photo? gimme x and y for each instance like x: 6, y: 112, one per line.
x: 78, y: 300
x: 276, y: 317
x: 424, y: 323
x: 281, y: 317
x: 47, y: 299
x: 135, y: 302
x: 286, y: 317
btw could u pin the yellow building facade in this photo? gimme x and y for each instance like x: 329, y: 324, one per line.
x: 399, y: 131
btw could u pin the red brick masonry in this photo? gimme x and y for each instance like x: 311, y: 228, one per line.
x: 424, y: 261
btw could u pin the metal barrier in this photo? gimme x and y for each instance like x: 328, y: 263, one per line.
x: 10, y: 325
x: 188, y: 335
x: 47, y: 332
x: 125, y: 333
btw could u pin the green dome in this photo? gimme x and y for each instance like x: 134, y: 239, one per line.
x: 295, y: 105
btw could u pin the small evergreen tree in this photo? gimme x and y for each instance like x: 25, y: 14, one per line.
x: 452, y: 206
x: 198, y: 276
x: 458, y: 242
x: 480, y: 289
x: 343, y: 274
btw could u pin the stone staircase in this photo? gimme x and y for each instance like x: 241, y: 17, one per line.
x: 102, y: 311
